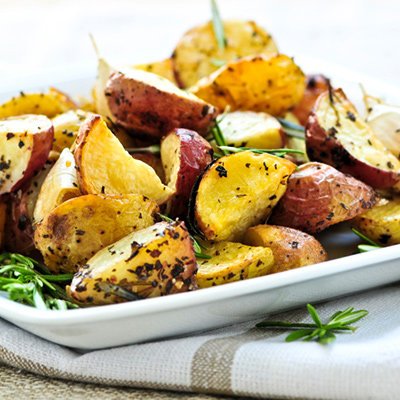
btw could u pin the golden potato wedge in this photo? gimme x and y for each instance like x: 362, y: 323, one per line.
x: 155, y: 261
x: 319, y: 196
x: 149, y: 106
x: 291, y: 248
x: 232, y: 262
x: 164, y: 68
x: 66, y: 127
x: 338, y: 136
x: 381, y: 223
x: 154, y: 162
x: 49, y: 104
x: 257, y: 130
x: 78, y: 228
x: 198, y: 55
x: 103, y: 165
x: 61, y: 184
x: 236, y: 192
x: 273, y: 84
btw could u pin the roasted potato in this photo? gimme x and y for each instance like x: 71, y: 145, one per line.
x: 184, y: 154
x: 232, y: 262
x: 103, y: 165
x: 78, y: 228
x: 3, y: 216
x: 291, y: 248
x: 257, y: 130
x: 61, y: 184
x: 150, y: 106
x: 318, y: 196
x: 154, y: 261
x: 153, y: 161
x: 164, y: 68
x: 236, y: 192
x: 338, y: 136
x: 197, y: 54
x: 381, y: 223
x: 25, y: 143
x: 273, y: 84
x: 49, y: 104
x: 315, y: 86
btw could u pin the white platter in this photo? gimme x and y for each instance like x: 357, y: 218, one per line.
x: 151, y: 319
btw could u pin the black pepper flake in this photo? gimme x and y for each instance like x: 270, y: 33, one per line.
x: 384, y: 238
x: 21, y: 144
x: 248, y: 165
x: 103, y: 190
x: 273, y: 197
x: 222, y: 172
x: 344, y: 206
x: 330, y: 216
x: 10, y: 135
x: 295, y: 244
x: 50, y: 250
x: 79, y: 232
x: 351, y: 116
x: 230, y: 275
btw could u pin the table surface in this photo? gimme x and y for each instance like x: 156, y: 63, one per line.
x: 46, y: 35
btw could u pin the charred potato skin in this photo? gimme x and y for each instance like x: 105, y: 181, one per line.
x: 318, y: 196
x: 163, y: 265
x: 291, y: 248
x: 150, y: 113
x: 323, y: 146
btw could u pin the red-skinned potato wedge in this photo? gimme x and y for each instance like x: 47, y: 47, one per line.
x: 236, y: 192
x: 291, y: 248
x: 49, y: 104
x: 103, y: 165
x: 78, y: 228
x: 25, y: 143
x: 315, y: 86
x: 184, y: 155
x: 155, y: 261
x: 150, y: 106
x: 3, y: 216
x: 269, y: 83
x: 318, y: 196
x: 338, y: 136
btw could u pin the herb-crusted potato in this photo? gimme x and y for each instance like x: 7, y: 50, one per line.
x: 103, y: 165
x: 194, y: 56
x: 154, y: 261
x: 149, y: 106
x: 381, y: 223
x: 273, y: 84
x: 291, y: 248
x: 338, y: 136
x: 236, y: 192
x: 232, y: 262
x: 78, y: 228
x: 318, y: 196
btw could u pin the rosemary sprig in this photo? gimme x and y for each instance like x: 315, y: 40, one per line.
x: 29, y: 283
x: 219, y: 137
x: 218, y: 26
x: 218, y: 63
x: 322, y: 333
x: 292, y: 129
x: 275, y: 152
x: 366, y: 247
x: 154, y: 149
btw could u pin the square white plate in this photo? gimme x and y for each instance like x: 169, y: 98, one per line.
x: 121, y: 324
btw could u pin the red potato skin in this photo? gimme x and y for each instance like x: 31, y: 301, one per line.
x: 325, y: 148
x: 315, y: 86
x: 147, y: 112
x: 318, y: 196
x: 195, y: 154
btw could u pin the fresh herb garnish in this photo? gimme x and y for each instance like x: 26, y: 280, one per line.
x: 154, y: 149
x: 218, y: 63
x: 275, y: 152
x: 218, y: 26
x: 292, y: 129
x: 322, y: 333
x: 219, y: 137
x: 29, y: 283
x: 366, y: 247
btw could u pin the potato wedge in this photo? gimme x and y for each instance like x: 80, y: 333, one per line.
x: 319, y: 196
x: 197, y: 54
x: 49, y: 104
x: 381, y: 223
x: 273, y: 84
x: 338, y: 136
x: 25, y: 143
x: 154, y: 261
x: 257, y: 130
x: 232, y: 262
x: 3, y: 217
x: 184, y: 155
x: 164, y: 68
x: 236, y: 192
x: 103, y: 165
x: 149, y: 106
x: 291, y: 248
x: 61, y: 184
x: 153, y: 161
x: 78, y: 228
